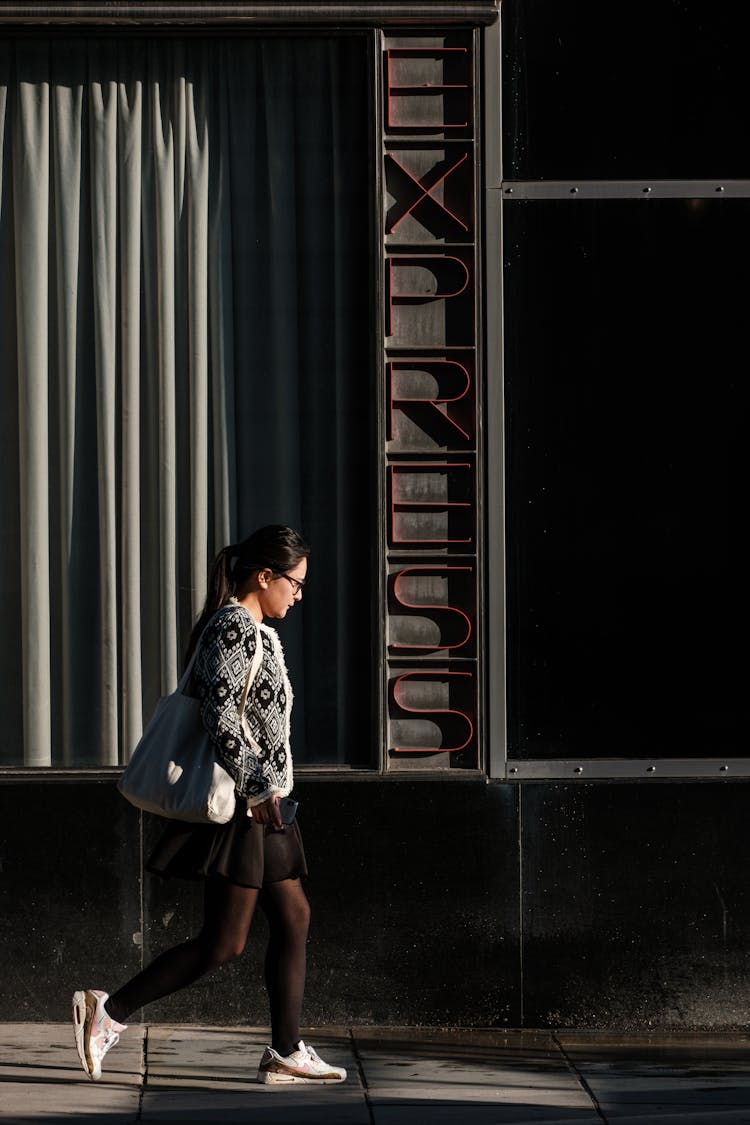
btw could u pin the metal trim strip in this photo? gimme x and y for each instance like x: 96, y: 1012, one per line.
x: 367, y: 12
x: 624, y: 189
x: 644, y: 769
x: 10, y: 775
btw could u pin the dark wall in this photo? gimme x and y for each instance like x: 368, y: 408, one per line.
x: 434, y: 902
x: 636, y: 905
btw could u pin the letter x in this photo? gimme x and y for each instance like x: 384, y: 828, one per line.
x: 427, y: 191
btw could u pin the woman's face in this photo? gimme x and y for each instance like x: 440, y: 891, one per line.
x: 281, y: 591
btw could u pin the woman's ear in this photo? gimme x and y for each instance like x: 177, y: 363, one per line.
x: 264, y: 577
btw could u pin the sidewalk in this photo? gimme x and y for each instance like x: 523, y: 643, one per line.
x: 397, y: 1076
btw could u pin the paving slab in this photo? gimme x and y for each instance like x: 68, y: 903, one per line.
x: 24, y: 1102
x: 449, y: 1114
x: 460, y: 1053
x: 669, y: 1090
x: 224, y: 1058
x: 201, y: 1055
x: 329, y: 1105
x: 665, y: 1052
x: 679, y: 1066
x: 43, y: 1052
x: 643, y: 1076
x: 672, y: 1115
x: 466, y: 1094
x: 476, y: 1074
x: 462, y: 1042
x: 210, y: 1074
x: 532, y: 1040
x: 625, y: 1041
x: 490, y: 1070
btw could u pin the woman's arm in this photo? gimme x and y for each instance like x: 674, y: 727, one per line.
x: 225, y: 658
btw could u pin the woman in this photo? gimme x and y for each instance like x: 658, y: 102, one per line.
x: 254, y: 859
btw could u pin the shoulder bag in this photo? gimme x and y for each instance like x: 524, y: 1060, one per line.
x: 173, y: 770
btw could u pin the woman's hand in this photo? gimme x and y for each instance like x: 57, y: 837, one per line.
x: 267, y: 812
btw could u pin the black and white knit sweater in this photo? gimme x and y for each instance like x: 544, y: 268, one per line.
x: 256, y: 752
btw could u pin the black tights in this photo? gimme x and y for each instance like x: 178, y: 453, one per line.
x: 228, y: 912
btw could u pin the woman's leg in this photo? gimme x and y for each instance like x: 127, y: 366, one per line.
x: 228, y: 911
x: 288, y: 912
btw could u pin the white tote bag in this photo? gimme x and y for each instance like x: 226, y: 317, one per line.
x: 173, y: 771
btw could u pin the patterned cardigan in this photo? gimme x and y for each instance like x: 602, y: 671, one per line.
x: 255, y: 751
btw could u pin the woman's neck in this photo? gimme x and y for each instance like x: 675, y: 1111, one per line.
x: 251, y: 603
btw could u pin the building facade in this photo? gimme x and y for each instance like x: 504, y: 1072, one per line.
x: 459, y: 290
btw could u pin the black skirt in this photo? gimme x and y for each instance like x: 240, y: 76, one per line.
x: 241, y: 851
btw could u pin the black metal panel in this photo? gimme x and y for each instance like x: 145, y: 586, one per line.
x: 602, y: 91
x: 69, y: 895
x: 626, y: 431
x: 414, y: 893
x: 636, y: 908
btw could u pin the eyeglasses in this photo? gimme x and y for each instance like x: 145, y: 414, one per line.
x: 295, y: 583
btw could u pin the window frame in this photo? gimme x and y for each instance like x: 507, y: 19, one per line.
x: 503, y: 764
x: 365, y: 19
x: 499, y: 194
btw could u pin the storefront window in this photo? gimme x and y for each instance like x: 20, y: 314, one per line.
x: 184, y: 318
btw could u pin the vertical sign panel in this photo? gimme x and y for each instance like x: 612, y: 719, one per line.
x: 430, y: 321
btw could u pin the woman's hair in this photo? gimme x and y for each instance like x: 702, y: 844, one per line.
x: 275, y: 547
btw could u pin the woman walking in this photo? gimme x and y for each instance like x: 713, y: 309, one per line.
x: 254, y: 859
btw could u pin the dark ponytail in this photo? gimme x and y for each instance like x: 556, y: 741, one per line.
x: 276, y: 547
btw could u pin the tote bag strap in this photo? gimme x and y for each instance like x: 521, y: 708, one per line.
x: 185, y: 678
x: 257, y: 658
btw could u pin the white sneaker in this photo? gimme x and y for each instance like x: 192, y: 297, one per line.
x: 95, y: 1031
x: 303, y: 1065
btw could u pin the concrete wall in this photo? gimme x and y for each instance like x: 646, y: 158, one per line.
x: 434, y: 902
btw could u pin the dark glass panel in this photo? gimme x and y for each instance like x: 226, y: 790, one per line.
x: 605, y: 91
x: 626, y: 361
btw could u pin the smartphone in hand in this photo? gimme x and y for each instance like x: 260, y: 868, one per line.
x: 288, y: 809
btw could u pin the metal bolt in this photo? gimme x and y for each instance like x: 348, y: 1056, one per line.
x: 719, y: 188
x: 574, y: 191
x: 651, y: 769
x: 509, y: 191
x: 724, y: 769
x: 646, y: 190
x: 513, y: 769
x: 578, y: 769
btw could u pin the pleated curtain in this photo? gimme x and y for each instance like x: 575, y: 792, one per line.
x: 181, y: 226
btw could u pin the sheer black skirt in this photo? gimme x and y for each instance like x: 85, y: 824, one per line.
x: 242, y: 851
